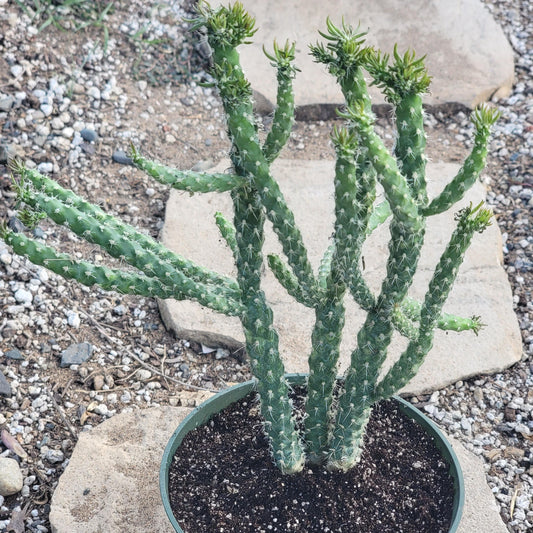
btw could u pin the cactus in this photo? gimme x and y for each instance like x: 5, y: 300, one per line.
x: 336, y: 417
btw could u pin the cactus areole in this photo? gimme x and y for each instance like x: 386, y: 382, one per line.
x: 333, y: 431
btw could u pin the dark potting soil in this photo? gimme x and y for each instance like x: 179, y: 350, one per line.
x: 222, y: 479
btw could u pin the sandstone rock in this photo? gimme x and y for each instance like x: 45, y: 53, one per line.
x: 467, y: 52
x: 480, y: 512
x: 111, y: 482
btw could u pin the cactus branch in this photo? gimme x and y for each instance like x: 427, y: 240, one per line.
x: 111, y: 279
x: 379, y: 215
x: 324, y: 268
x: 482, y: 118
x: 186, y: 180
x: 228, y: 232
x: 411, y: 144
x: 326, y: 339
x: 406, y: 76
x: 344, y: 56
x: 283, y: 120
x: 289, y: 281
x: 261, y: 337
x: 49, y: 188
x: 470, y: 220
x: 446, y: 322
x: 250, y: 161
x: 394, y: 183
x: 118, y: 246
x: 227, y: 27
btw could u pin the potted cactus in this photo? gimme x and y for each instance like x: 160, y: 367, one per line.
x: 331, y: 434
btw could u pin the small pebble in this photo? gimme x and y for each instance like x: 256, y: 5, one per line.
x: 54, y: 456
x: 94, y: 92
x: 76, y: 354
x: 14, y: 355
x: 16, y: 71
x: 45, y: 168
x: 119, y: 156
x: 88, y: 135
x: 11, y: 480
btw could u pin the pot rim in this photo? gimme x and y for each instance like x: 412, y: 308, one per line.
x: 222, y: 399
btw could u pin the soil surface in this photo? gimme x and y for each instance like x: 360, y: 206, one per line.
x: 222, y: 479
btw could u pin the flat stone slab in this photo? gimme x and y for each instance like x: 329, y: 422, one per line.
x: 481, y: 289
x: 111, y: 482
x: 467, y: 52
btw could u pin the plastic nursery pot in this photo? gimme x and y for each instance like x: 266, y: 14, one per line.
x: 202, y: 414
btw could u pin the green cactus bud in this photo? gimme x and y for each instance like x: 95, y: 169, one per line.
x: 407, y: 76
x: 227, y: 27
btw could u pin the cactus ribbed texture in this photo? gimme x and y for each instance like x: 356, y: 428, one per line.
x: 261, y: 337
x: 470, y: 220
x: 185, y: 180
x: 283, y: 60
x: 336, y: 416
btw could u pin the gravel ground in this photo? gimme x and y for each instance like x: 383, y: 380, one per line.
x: 70, y: 102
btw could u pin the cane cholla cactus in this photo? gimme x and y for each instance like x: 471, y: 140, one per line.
x: 334, y: 425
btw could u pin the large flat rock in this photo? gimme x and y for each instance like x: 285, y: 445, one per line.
x: 482, y: 287
x: 467, y: 53
x: 111, y: 483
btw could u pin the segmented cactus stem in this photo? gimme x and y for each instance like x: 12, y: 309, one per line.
x: 482, y: 118
x: 186, y: 180
x: 261, y: 337
x: 46, y: 187
x: 470, y: 220
x: 282, y: 59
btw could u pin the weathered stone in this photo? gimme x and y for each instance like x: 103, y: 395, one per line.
x: 10, y: 477
x: 116, y: 466
x: 88, y: 135
x: 98, y: 382
x: 76, y: 354
x: 5, y: 387
x: 10, y: 151
x: 480, y: 511
x: 119, y: 156
x: 482, y: 287
x: 14, y: 354
x: 467, y: 52
x: 6, y: 103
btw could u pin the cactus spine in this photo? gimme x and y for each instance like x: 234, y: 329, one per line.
x: 334, y: 426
